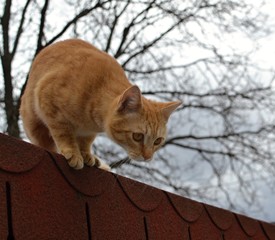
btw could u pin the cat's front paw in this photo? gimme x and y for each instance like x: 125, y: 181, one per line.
x: 92, y: 160
x: 74, y: 160
x: 89, y: 159
x: 101, y: 164
x: 104, y: 166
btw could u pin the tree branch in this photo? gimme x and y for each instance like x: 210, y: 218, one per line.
x: 153, y: 42
x: 127, y: 29
x: 222, y: 136
x: 5, y: 22
x: 82, y: 14
x: 20, y: 28
x: 114, y: 24
x: 39, y: 44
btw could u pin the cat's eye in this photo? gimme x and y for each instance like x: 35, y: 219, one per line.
x: 158, y: 141
x: 138, y: 137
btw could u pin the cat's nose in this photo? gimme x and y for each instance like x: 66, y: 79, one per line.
x: 147, y: 156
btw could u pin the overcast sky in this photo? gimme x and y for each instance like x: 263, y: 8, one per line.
x: 266, y: 53
x: 266, y: 56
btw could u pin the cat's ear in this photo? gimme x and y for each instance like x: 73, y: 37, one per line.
x: 130, y: 101
x: 169, y: 108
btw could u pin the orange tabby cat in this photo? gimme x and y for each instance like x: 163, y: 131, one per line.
x: 75, y: 91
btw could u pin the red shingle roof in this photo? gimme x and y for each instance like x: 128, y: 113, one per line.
x: 41, y: 197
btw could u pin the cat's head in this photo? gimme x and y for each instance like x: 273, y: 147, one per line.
x: 138, y: 124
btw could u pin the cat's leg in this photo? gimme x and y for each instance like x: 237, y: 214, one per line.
x: 35, y: 129
x: 84, y: 144
x: 66, y: 142
x: 41, y: 136
x: 38, y: 133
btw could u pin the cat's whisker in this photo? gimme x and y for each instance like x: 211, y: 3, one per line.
x: 119, y: 163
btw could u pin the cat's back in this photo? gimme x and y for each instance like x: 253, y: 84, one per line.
x: 74, y: 56
x: 76, y: 65
x: 67, y: 50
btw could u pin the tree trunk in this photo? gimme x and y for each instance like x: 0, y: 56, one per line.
x: 11, y: 108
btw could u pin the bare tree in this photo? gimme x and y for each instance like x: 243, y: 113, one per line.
x: 23, y: 18
x: 222, y: 137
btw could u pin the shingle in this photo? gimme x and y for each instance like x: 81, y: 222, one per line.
x: 221, y: 218
x: 189, y: 210
x: 41, y: 197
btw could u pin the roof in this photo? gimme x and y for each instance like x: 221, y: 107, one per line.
x: 41, y: 197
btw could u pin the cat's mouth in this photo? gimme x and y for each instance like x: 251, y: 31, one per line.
x: 139, y: 158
